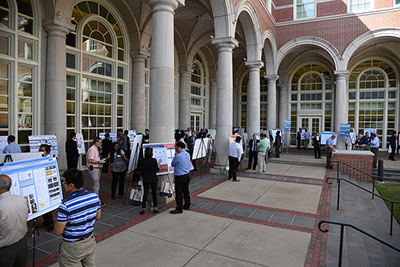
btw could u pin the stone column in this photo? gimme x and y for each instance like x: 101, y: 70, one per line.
x: 138, y: 108
x: 253, y: 97
x: 283, y: 110
x: 56, y: 85
x: 162, y: 118
x: 271, y: 102
x: 235, y: 105
x: 213, y: 104
x: 184, y: 99
x: 224, y: 97
x: 340, y: 105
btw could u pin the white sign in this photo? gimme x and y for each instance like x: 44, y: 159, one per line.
x: 131, y: 136
x: 135, y: 150
x: 38, y: 181
x: 80, y: 143
x: 369, y: 131
x: 36, y: 140
x: 165, y: 152
x: 200, y: 148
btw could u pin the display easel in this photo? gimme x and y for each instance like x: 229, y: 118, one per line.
x: 205, y: 147
x: 130, y: 182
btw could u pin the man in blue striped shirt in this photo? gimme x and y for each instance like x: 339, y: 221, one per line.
x: 75, y: 220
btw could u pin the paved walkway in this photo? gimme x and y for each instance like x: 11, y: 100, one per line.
x: 266, y: 219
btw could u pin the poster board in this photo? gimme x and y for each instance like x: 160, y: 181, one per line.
x: 38, y: 181
x: 200, y: 148
x: 232, y: 138
x: 3, y: 143
x: 369, y: 130
x: 326, y: 135
x: 21, y: 156
x: 80, y: 143
x: 131, y: 136
x: 113, y: 136
x: 133, y: 160
x: 273, y: 131
x: 36, y: 140
x: 213, y: 133
x: 165, y: 152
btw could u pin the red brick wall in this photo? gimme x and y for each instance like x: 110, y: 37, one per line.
x: 284, y: 2
x: 284, y: 14
x: 363, y: 163
x: 331, y: 8
x: 383, y: 3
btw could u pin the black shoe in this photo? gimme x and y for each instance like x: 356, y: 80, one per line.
x: 51, y: 228
x: 102, y: 204
x: 248, y: 168
x: 156, y: 211
x: 316, y: 157
x: 393, y: 160
x: 235, y: 180
x: 112, y: 198
x: 120, y: 197
x: 176, y: 212
x: 229, y: 178
x: 186, y: 208
x: 142, y: 212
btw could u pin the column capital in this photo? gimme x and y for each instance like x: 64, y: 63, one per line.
x: 57, y: 27
x: 341, y: 74
x: 283, y: 86
x: 253, y: 65
x: 184, y: 71
x: 164, y: 5
x: 213, y: 81
x: 271, y: 77
x: 225, y: 43
x: 139, y: 55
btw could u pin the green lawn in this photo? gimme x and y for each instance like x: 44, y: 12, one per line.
x: 391, y: 192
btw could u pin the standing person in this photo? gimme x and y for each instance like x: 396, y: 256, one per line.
x: 328, y: 150
x: 47, y: 217
x: 359, y: 144
x: 93, y: 163
x: 262, y: 148
x: 207, y: 135
x: 182, y: 167
x: 123, y: 140
x: 235, y: 154
x: 107, y: 146
x: 11, y: 147
x: 146, y: 137
x: 75, y: 221
x: 392, y: 143
x: 374, y: 148
x: 298, y: 137
x: 307, y: 140
x: 366, y: 141
x: 72, y: 151
x: 13, y: 216
x: 317, y: 146
x: 188, y: 132
x: 117, y: 165
x: 191, y: 140
x: 252, y: 144
x: 149, y: 168
x: 277, y: 144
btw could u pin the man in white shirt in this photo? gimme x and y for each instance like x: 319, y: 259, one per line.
x: 235, y: 153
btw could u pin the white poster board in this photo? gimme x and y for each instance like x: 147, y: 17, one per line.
x: 36, y: 140
x: 131, y: 136
x: 165, y: 152
x: 369, y: 131
x: 113, y: 136
x: 80, y: 143
x: 213, y: 133
x: 273, y: 131
x: 232, y: 138
x: 3, y: 143
x: 135, y: 156
x: 200, y: 149
x: 38, y: 181
x: 326, y: 135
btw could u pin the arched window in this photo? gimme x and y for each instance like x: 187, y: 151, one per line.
x: 373, y: 95
x: 311, y: 100
x: 19, y: 70
x: 97, y: 71
x: 198, y: 94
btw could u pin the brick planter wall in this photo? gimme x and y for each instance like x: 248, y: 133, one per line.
x: 359, y: 160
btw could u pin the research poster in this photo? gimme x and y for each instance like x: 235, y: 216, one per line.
x: 201, y: 147
x: 38, y: 181
x: 3, y: 143
x: 165, y: 152
x: 232, y: 138
x: 131, y: 136
x: 326, y: 135
x: 213, y: 133
x: 113, y: 136
x: 133, y: 160
x: 80, y: 143
x: 36, y: 140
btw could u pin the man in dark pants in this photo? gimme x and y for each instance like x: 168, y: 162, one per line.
x: 278, y: 142
x: 107, y: 146
x: 298, y: 137
x: 392, y: 143
x: 72, y: 152
x: 328, y: 150
x: 252, y: 144
x: 182, y: 167
x: 190, y: 142
x: 317, y: 146
x: 235, y: 153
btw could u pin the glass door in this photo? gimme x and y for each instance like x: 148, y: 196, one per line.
x: 313, y: 125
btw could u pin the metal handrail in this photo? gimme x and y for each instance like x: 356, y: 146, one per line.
x: 342, y: 225
x: 366, y: 190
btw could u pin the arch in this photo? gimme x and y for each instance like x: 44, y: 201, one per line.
x: 246, y: 14
x: 224, y: 16
x: 308, y: 40
x: 269, y: 52
x: 362, y: 39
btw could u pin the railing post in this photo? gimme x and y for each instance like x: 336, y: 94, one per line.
x: 341, y: 244
x: 380, y: 170
x: 338, y: 195
x: 391, y: 218
x: 373, y: 186
x: 338, y: 169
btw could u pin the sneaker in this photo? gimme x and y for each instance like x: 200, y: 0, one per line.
x: 102, y: 204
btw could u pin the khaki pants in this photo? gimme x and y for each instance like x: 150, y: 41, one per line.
x: 95, y: 177
x: 262, y: 166
x: 375, y: 151
x: 79, y: 253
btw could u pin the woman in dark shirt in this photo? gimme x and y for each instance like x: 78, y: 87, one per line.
x: 148, y: 169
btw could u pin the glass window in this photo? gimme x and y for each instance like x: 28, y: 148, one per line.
x: 305, y: 9
x: 358, y: 5
x: 71, y: 61
x: 25, y: 50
